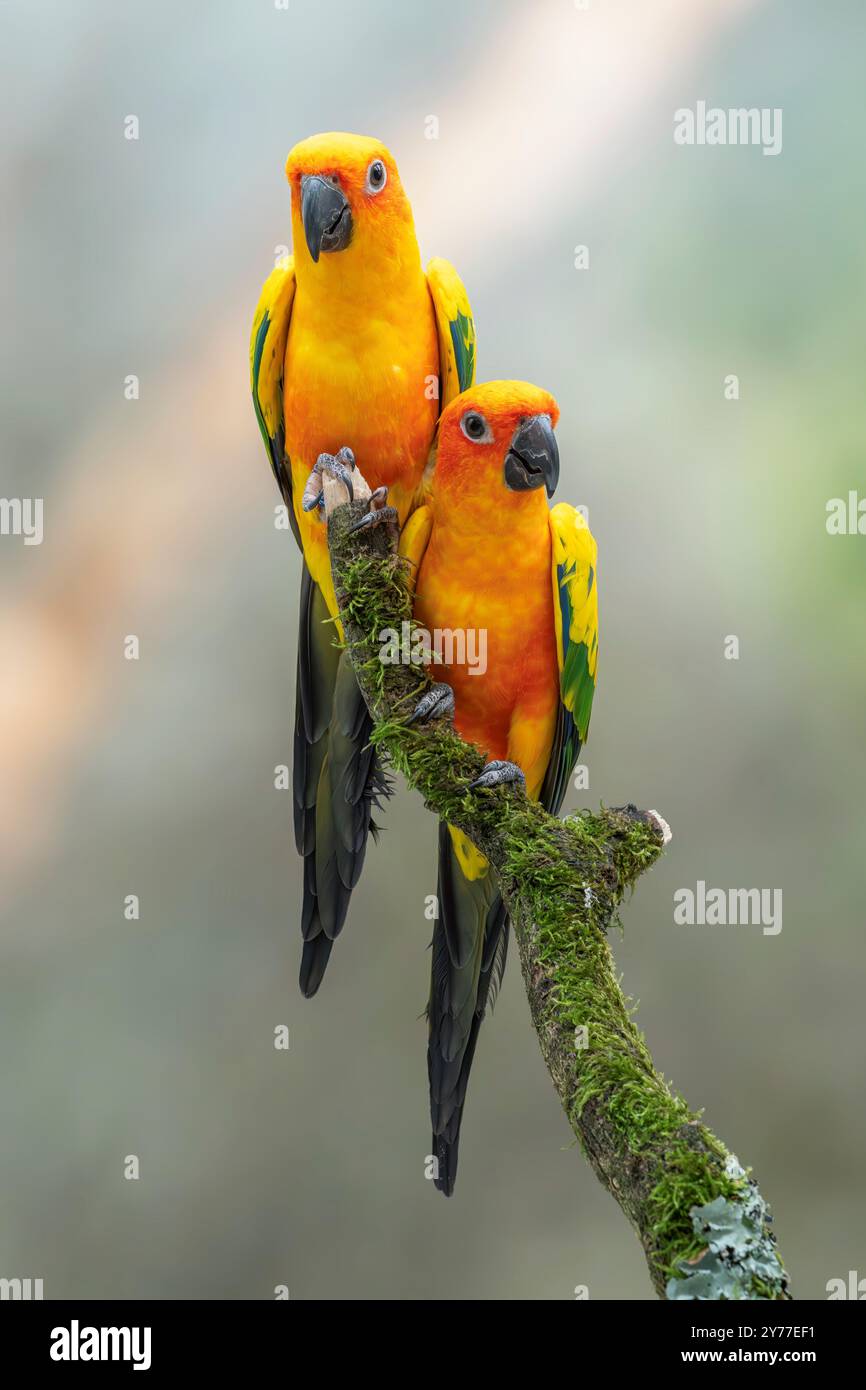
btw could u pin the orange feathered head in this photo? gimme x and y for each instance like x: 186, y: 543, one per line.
x: 347, y: 198
x: 497, y: 435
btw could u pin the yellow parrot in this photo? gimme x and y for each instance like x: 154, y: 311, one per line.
x: 353, y: 344
x: 488, y: 556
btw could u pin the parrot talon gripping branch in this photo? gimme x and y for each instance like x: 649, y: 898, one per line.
x: 337, y: 465
x: 701, y: 1221
x: 379, y: 512
x: 435, y: 703
x: 499, y: 773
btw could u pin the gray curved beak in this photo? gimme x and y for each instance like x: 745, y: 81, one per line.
x: 532, y: 460
x: 326, y: 215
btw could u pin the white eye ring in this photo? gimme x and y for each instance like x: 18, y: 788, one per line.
x: 469, y: 425
x: 369, y: 185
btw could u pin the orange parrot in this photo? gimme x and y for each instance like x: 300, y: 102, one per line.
x: 352, y: 343
x: 489, y: 558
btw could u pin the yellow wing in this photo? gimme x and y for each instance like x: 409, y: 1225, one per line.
x: 413, y: 541
x: 456, y: 329
x: 575, y: 609
x: 267, y: 355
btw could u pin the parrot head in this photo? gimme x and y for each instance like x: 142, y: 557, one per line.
x: 347, y: 197
x: 497, y: 438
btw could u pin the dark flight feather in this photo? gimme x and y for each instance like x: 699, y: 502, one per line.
x: 337, y: 782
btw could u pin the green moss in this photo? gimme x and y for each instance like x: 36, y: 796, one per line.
x: 689, y: 1178
x: 374, y: 596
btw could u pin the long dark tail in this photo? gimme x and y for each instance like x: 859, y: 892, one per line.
x: 337, y: 781
x: 470, y: 942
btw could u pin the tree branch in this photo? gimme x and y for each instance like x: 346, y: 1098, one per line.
x: 700, y: 1218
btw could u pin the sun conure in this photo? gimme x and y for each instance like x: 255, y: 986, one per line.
x: 487, y: 554
x: 353, y: 344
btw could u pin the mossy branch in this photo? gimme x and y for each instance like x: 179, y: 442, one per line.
x: 700, y: 1218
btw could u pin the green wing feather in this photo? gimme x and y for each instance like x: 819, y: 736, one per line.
x: 575, y: 604
x: 456, y: 329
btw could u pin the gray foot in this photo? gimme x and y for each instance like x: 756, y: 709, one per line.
x: 497, y: 773
x: 435, y: 703
x: 340, y: 466
x: 379, y: 512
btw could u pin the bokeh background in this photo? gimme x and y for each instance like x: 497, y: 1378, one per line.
x: 155, y: 777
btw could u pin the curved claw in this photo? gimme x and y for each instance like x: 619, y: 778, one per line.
x: 339, y: 466
x: 378, y: 511
x: 497, y: 773
x: 336, y: 467
x: 435, y: 703
x: 313, y: 494
x: 374, y: 518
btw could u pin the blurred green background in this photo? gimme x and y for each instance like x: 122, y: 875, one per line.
x: 155, y: 777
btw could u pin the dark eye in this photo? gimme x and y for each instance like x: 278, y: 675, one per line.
x: 475, y: 427
x: 377, y: 177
